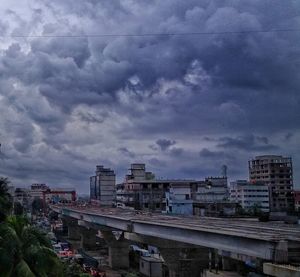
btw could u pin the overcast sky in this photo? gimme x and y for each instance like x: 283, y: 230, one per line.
x: 184, y: 105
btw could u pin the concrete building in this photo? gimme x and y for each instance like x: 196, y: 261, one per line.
x: 213, y: 189
x: 250, y: 196
x: 211, y: 197
x: 215, y: 209
x: 142, y: 191
x: 55, y: 195
x: 22, y: 196
x: 103, y: 186
x: 36, y: 190
x: 297, y: 200
x: 277, y: 173
x: 179, y: 199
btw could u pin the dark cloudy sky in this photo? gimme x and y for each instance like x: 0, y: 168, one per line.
x: 184, y: 105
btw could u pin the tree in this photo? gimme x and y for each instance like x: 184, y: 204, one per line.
x: 74, y: 270
x: 26, y: 251
x: 5, y: 199
x: 37, y: 205
x: 18, y: 208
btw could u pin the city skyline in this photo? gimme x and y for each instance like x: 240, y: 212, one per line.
x: 182, y: 104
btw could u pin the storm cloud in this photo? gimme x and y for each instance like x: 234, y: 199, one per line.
x: 70, y: 99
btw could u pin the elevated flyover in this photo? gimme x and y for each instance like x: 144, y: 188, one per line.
x: 271, y: 241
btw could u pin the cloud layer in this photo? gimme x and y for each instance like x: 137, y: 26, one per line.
x: 184, y: 105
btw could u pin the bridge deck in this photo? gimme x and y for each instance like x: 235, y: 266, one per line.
x: 268, y: 231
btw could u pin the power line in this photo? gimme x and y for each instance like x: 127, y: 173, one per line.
x: 153, y: 34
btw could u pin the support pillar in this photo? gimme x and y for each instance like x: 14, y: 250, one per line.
x: 226, y: 264
x: 171, y: 257
x: 118, y: 250
x: 88, y: 238
x: 74, y: 232
x: 72, y: 227
x: 216, y: 261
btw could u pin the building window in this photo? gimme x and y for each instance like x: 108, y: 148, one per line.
x: 187, y: 197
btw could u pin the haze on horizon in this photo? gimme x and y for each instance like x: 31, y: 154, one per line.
x: 183, y: 105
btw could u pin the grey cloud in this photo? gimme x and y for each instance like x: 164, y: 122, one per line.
x: 176, y: 151
x: 247, y: 143
x: 126, y: 152
x: 206, y: 153
x: 137, y: 89
x: 156, y: 162
x: 77, y: 49
x: 165, y: 144
x: 288, y: 136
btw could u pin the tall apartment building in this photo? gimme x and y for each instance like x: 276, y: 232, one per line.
x: 103, y: 186
x: 250, y: 196
x: 277, y: 173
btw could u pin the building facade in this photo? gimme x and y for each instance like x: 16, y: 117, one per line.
x: 297, y: 200
x: 22, y: 196
x: 103, y: 186
x: 179, y: 199
x: 250, y: 196
x: 37, y: 190
x: 277, y: 173
x: 140, y: 190
x: 212, y: 190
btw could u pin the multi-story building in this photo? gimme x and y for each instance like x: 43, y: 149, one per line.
x: 277, y: 173
x: 250, y: 196
x: 37, y: 190
x: 211, y: 197
x: 297, y: 200
x: 212, y: 190
x: 22, y: 196
x: 55, y: 195
x: 141, y: 190
x: 103, y: 186
x: 179, y: 199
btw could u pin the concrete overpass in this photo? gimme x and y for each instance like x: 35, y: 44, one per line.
x: 237, y: 239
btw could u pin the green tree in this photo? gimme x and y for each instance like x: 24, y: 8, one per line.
x: 73, y: 269
x: 5, y: 199
x: 25, y: 251
x: 37, y: 205
x: 18, y: 208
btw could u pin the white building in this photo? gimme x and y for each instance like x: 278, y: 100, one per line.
x: 179, y: 199
x: 36, y: 190
x: 250, y: 195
